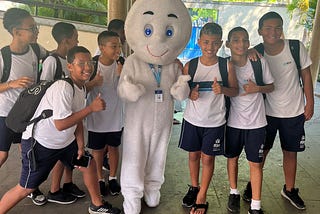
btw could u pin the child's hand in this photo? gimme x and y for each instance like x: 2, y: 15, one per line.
x: 216, y: 87
x: 250, y: 87
x: 194, y: 95
x: 119, y: 68
x: 98, y: 104
x: 22, y: 82
x: 253, y: 54
x: 98, y: 79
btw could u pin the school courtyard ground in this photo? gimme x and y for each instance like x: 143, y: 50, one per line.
x: 177, y: 178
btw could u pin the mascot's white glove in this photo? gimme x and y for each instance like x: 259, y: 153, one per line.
x: 130, y: 91
x: 180, y: 89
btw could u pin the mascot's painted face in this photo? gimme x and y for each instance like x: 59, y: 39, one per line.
x: 158, y: 30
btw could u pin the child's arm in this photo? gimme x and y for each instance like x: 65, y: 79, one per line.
x: 232, y: 90
x: 98, y: 104
x: 308, y: 92
x: 252, y: 87
x: 96, y: 81
x: 22, y: 82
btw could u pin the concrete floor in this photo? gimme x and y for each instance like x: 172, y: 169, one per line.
x: 177, y: 178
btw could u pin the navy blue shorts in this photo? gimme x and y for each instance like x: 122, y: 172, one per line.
x: 291, y: 133
x: 210, y: 141
x: 252, y: 140
x: 7, y: 136
x: 98, y: 140
x: 45, y: 160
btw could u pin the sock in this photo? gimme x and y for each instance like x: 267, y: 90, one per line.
x: 234, y: 191
x: 111, y: 178
x: 102, y: 179
x: 255, y: 204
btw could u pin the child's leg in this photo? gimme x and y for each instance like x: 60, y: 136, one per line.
x: 56, y: 177
x: 98, y: 157
x: 113, y: 160
x: 289, y: 168
x: 12, y: 197
x: 256, y: 179
x: 207, y: 172
x: 67, y: 175
x: 194, y: 167
x: 232, y: 166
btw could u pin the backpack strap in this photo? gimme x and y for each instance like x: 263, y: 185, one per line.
x: 36, y: 49
x: 95, y: 66
x: 6, y: 57
x: 223, y: 68
x: 59, y: 73
x: 257, y: 70
x: 295, y: 52
x: 260, y: 48
x: 193, y: 64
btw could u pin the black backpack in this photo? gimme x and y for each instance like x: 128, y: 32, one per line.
x: 295, y: 52
x: 24, y: 108
x: 6, y: 56
x: 59, y: 73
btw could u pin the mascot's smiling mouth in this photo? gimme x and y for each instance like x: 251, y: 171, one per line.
x: 156, y: 55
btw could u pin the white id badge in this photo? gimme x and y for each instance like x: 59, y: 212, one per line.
x: 158, y: 96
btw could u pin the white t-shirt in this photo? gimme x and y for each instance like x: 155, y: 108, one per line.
x: 287, y: 99
x: 63, y: 100
x: 23, y: 65
x: 248, y: 112
x: 111, y: 119
x: 49, y: 67
x: 209, y: 109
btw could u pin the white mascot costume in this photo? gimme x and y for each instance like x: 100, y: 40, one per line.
x: 157, y: 31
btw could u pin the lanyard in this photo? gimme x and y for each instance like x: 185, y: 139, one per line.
x: 156, y: 74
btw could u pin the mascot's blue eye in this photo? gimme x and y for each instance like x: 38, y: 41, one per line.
x: 148, y: 30
x: 169, y: 31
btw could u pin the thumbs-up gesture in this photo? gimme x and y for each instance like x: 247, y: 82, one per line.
x: 216, y: 87
x: 98, y: 104
x: 98, y: 79
x: 250, y: 87
x: 194, y: 95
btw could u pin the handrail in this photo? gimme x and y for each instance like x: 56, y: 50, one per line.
x: 61, y: 7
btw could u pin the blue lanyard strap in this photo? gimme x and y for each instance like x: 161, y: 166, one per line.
x: 156, y: 73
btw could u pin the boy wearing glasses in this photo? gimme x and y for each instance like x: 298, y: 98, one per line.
x: 24, y: 70
x: 105, y: 127
x: 61, y: 136
x: 66, y: 36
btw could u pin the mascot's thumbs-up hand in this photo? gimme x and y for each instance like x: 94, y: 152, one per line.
x: 129, y: 90
x: 180, y: 89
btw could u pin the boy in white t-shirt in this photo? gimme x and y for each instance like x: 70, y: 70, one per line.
x: 247, y: 120
x: 290, y: 103
x: 60, y: 136
x: 66, y: 36
x: 202, y: 132
x: 105, y: 127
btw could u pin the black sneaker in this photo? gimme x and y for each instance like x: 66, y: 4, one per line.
x: 37, y: 197
x: 102, y: 186
x: 247, y: 193
x: 114, y: 187
x: 190, y: 198
x: 61, y: 197
x: 293, y: 197
x: 106, y: 208
x: 250, y: 211
x: 234, y: 203
x: 72, y: 189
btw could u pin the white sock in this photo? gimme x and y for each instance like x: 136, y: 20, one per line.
x: 255, y: 204
x: 110, y: 178
x: 102, y: 179
x: 234, y: 191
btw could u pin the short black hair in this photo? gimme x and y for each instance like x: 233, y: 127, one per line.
x: 14, y: 17
x: 73, y: 51
x: 115, y: 25
x: 62, y: 30
x: 237, y: 29
x: 104, y: 35
x: 211, y: 28
x: 269, y: 15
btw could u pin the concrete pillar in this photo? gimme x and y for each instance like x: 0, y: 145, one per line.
x: 315, y: 45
